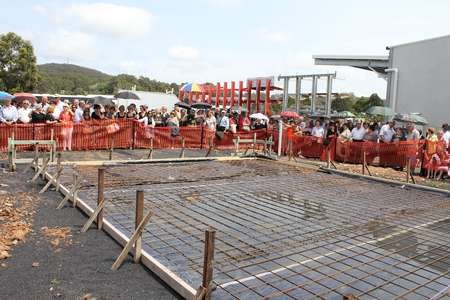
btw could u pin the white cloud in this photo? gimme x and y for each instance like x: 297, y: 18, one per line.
x: 112, y: 19
x: 184, y: 53
x: 40, y: 9
x: 274, y: 36
x: 70, y: 45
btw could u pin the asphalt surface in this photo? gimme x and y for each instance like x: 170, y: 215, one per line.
x: 80, y: 267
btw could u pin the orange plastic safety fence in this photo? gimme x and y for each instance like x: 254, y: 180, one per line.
x: 225, y: 141
x: 381, y: 154
x: 306, y: 146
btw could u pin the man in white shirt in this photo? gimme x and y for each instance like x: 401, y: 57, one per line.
x: 318, y: 130
x: 44, y: 104
x: 387, y: 132
x: 59, y: 105
x: 413, y: 134
x: 224, y: 122
x: 8, y: 113
x: 79, y: 110
x: 24, y: 112
x: 358, y: 132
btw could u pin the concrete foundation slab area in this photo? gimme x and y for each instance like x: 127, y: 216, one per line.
x: 282, y: 232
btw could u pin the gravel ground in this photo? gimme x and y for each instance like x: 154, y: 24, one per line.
x: 75, y: 266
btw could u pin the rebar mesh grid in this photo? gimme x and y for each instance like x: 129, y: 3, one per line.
x: 284, y: 232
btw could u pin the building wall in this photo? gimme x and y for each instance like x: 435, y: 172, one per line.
x: 423, y: 78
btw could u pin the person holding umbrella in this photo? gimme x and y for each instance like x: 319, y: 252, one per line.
x: 8, y: 113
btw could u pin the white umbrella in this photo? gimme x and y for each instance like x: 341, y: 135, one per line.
x: 259, y: 116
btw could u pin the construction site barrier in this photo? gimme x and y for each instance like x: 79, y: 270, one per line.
x: 225, y: 141
x: 306, y: 146
x: 124, y: 133
x: 395, y: 154
x: 121, y: 134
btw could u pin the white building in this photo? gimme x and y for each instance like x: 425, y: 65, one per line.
x: 417, y: 76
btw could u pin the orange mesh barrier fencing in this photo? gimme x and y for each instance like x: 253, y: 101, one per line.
x: 19, y: 131
x: 166, y: 137
x: 306, y: 146
x: 381, y: 154
x: 225, y: 141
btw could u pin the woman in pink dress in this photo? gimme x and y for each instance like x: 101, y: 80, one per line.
x: 66, y: 119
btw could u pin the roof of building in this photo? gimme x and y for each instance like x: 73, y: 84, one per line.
x: 421, y: 41
x: 377, y: 63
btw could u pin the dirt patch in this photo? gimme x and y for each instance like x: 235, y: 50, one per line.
x: 16, y: 217
x: 392, y: 174
x: 58, y: 236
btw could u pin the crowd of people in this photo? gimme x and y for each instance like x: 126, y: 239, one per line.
x: 45, y: 111
x: 358, y: 131
x: 218, y: 120
x: 436, y: 142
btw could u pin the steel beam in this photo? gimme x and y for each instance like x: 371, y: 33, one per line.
x: 313, y: 94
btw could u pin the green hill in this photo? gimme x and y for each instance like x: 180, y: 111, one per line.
x: 73, y: 79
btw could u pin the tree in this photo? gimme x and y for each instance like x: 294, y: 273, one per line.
x: 364, y: 103
x: 18, y: 70
x: 342, y: 104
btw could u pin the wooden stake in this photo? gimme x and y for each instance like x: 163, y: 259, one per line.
x: 138, y: 220
x: 111, y: 148
x: 328, y: 157
x: 58, y: 170
x: 73, y: 192
x: 408, y: 170
x: 364, y: 163
x: 42, y: 170
x: 101, y: 195
x: 95, y: 214
x: 182, y: 148
x: 76, y: 186
x: 51, y: 147
x: 35, y: 161
x: 55, y: 177
x: 208, y: 264
x: 236, y: 150
x: 131, y: 242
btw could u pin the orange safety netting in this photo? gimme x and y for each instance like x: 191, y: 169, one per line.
x: 383, y: 154
x: 306, y: 146
x: 123, y: 133
x: 225, y: 140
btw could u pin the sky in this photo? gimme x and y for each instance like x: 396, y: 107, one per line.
x: 223, y: 40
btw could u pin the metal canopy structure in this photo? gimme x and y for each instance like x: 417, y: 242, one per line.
x: 373, y: 63
x: 298, y: 85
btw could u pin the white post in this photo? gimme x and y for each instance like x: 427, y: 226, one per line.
x: 280, y: 136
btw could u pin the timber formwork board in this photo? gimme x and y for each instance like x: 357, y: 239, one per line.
x: 283, y: 232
